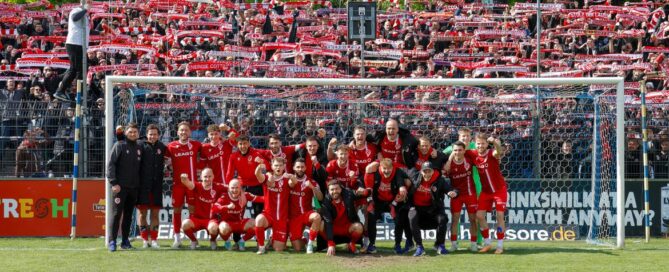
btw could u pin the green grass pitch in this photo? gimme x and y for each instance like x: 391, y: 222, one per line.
x: 87, y: 254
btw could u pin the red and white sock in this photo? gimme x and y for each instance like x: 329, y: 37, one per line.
x: 312, y: 234
x: 190, y: 234
x: 260, y: 236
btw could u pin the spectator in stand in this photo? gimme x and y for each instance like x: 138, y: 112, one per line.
x: 29, y: 160
x: 660, y: 160
x: 633, y: 163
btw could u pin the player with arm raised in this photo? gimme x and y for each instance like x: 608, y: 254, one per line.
x: 277, y: 150
x: 459, y: 170
x: 362, y: 153
x: 183, y: 155
x: 228, y: 211
x: 302, y: 212
x: 276, y: 185
x: 493, y: 187
x: 206, y: 194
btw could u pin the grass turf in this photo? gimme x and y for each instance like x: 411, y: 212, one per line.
x: 59, y: 254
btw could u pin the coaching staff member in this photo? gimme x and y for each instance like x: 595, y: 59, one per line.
x: 123, y: 172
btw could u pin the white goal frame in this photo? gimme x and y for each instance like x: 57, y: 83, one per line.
x: 620, y: 112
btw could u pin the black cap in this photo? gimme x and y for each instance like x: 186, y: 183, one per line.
x: 426, y: 165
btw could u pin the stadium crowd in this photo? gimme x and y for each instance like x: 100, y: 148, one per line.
x: 437, y: 39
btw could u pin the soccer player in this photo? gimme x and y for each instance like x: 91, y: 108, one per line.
x: 277, y: 150
x: 151, y: 188
x: 343, y: 170
x: 389, y: 186
x: 459, y: 170
x: 229, y: 212
x: 123, y: 173
x: 315, y: 160
x: 340, y: 217
x: 183, y: 154
x: 243, y: 162
x: 302, y: 212
x: 362, y: 152
x: 397, y: 144
x: 205, y: 195
x: 426, y: 201
x: 216, y: 153
x: 465, y: 136
x: 276, y: 185
x: 493, y: 187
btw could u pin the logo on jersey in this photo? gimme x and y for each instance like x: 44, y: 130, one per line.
x: 212, y: 192
x: 158, y: 152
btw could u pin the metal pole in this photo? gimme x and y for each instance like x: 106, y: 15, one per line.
x: 362, y: 47
x: 646, y: 167
x: 536, y: 120
x: 81, y: 86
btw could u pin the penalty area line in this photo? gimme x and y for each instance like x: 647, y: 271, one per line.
x: 48, y: 249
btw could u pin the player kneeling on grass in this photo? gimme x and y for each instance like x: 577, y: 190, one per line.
x: 302, y: 212
x: 493, y: 187
x: 460, y: 172
x: 340, y: 218
x: 276, y: 187
x: 205, y: 195
x: 426, y: 201
x: 228, y: 211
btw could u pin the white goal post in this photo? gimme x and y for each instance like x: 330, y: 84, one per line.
x: 618, y: 82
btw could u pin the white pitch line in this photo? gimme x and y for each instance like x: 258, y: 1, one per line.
x: 49, y: 249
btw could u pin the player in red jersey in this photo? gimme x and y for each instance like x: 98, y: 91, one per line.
x: 362, y: 152
x: 493, y: 187
x: 389, y: 186
x: 276, y: 185
x: 340, y: 219
x: 302, y: 212
x: 277, y: 150
x: 228, y: 211
x: 216, y: 153
x: 183, y: 155
x: 459, y: 171
x: 242, y: 164
x: 205, y: 195
x: 397, y: 144
x: 343, y: 170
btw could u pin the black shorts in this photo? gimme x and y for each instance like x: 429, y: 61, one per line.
x: 152, y: 198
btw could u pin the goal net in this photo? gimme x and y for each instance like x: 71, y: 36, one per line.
x: 563, y: 137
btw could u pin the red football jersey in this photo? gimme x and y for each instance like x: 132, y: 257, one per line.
x: 216, y: 158
x: 335, y: 172
x: 392, y: 150
x: 363, y: 157
x: 301, y: 197
x: 277, y: 197
x: 245, y: 167
x: 184, y: 160
x: 489, y: 170
x: 341, y: 218
x: 461, y: 177
x: 236, y: 214
x: 204, y: 199
x: 286, y: 152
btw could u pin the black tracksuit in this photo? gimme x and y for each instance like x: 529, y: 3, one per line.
x: 152, y: 173
x: 124, y: 170
x: 380, y: 207
x: 329, y: 212
x: 433, y: 216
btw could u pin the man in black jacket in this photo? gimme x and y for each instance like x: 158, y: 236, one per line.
x: 123, y: 172
x: 389, y: 186
x: 315, y: 159
x: 397, y: 144
x: 340, y: 217
x: 426, y: 202
x: 151, y: 185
